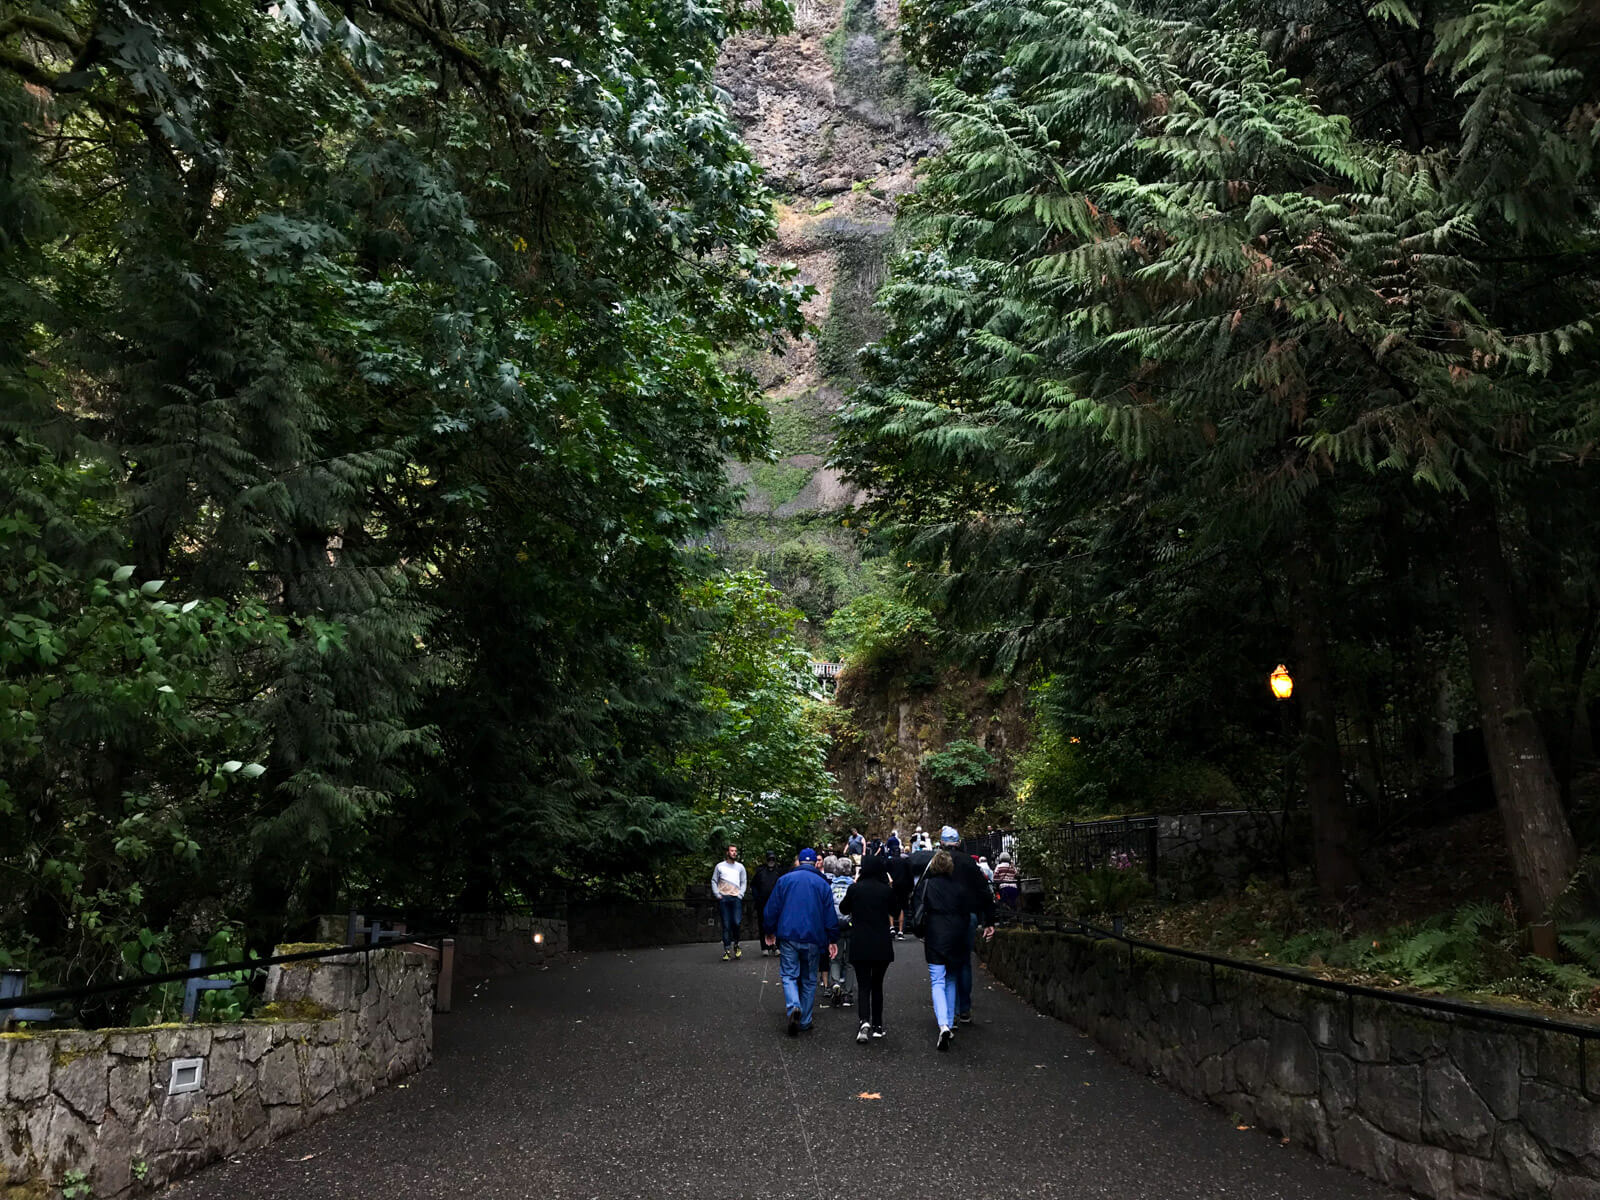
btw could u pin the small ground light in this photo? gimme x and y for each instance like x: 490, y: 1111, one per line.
x: 538, y: 939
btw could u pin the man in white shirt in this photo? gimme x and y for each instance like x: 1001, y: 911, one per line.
x: 728, y: 885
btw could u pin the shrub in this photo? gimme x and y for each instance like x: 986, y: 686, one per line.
x: 1111, y: 890
x: 962, y: 763
x: 875, y: 631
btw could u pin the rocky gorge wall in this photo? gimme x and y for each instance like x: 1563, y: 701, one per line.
x: 833, y: 115
x: 125, y: 1111
x: 1446, y: 1106
x: 830, y: 113
x: 887, y: 728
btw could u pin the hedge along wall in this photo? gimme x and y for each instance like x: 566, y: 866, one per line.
x: 102, y: 1103
x: 1450, y: 1107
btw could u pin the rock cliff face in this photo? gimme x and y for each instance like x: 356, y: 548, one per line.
x: 830, y: 112
x: 888, y: 731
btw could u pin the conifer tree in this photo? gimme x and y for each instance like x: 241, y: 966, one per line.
x: 1156, y: 279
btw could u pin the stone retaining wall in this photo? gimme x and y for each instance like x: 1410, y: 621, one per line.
x: 99, y: 1105
x: 1203, y: 854
x: 626, y: 926
x: 1449, y: 1107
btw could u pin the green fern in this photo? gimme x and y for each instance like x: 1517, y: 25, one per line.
x: 1581, y: 939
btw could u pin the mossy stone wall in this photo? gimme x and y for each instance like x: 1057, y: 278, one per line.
x: 96, y: 1104
x: 1450, y: 1107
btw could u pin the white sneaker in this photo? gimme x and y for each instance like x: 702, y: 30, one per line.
x: 864, y: 1033
x: 945, y: 1037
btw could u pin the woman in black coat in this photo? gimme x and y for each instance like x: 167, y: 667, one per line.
x: 949, y: 906
x: 872, y: 905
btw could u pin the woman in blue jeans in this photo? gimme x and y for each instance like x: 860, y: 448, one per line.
x: 949, y: 908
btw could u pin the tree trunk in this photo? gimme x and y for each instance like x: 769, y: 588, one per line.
x: 1332, y: 853
x: 1543, y: 855
x: 1433, y: 732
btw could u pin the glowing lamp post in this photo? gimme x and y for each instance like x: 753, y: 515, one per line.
x: 1282, y: 685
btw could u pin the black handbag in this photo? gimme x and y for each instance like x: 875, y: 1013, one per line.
x: 918, y: 917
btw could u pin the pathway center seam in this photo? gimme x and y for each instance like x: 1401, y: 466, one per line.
x: 788, y: 1083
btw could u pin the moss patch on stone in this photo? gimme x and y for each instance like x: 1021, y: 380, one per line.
x: 66, y: 1055
x: 800, y: 425
x: 296, y: 1010
x: 780, y: 483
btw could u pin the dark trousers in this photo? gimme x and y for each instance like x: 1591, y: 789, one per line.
x: 963, y: 970
x: 869, y: 990
x: 731, y: 914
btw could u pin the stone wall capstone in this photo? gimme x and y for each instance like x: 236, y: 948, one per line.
x: 1452, y: 1107
x: 103, y: 1103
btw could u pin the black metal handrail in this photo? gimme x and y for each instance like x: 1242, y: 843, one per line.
x: 54, y: 995
x: 1443, y: 1004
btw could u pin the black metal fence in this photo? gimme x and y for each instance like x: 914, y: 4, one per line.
x: 60, y: 1004
x: 1085, y: 845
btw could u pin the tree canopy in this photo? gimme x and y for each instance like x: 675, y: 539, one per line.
x: 367, y: 377
x: 1195, y: 363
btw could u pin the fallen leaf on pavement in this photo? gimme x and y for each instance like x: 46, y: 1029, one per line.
x: 870, y: 1096
x: 1241, y: 1127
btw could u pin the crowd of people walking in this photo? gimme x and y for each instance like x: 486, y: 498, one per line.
x: 826, y: 915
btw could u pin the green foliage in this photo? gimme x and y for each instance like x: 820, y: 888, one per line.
x: 153, y: 953
x: 799, y: 425
x: 1476, y: 948
x: 394, y: 354
x: 1185, y: 343
x: 876, y: 631
x: 779, y: 482
x: 1447, y: 953
x: 758, y: 771
x: 812, y: 575
x: 958, y: 764
x: 1111, y: 890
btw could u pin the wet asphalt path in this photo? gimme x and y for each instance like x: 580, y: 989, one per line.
x: 664, y: 1073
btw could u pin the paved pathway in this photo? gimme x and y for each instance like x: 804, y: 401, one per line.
x: 664, y: 1073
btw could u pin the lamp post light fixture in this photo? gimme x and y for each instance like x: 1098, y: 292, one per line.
x: 1282, y: 685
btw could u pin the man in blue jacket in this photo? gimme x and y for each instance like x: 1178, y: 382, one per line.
x: 802, y: 920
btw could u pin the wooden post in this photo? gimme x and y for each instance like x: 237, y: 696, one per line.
x: 447, y: 975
